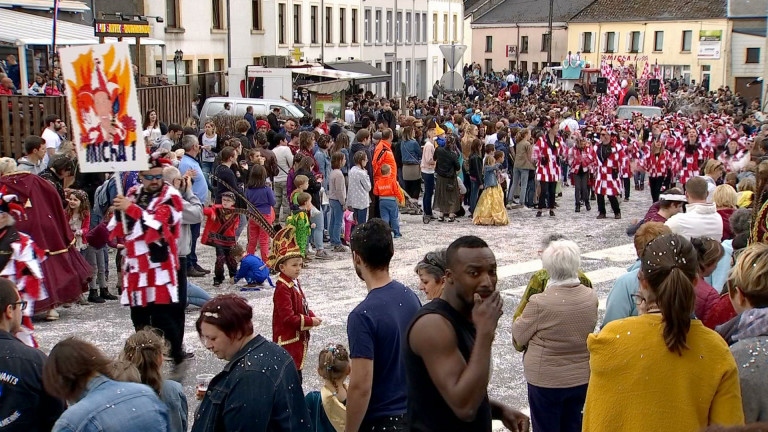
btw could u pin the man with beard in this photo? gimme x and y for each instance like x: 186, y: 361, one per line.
x: 608, y: 177
x: 377, y: 394
x: 51, y: 136
x: 149, y: 218
x: 448, y: 355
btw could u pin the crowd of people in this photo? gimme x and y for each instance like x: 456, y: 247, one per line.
x: 299, y: 191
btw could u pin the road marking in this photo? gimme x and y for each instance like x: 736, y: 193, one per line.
x: 596, y: 276
x: 621, y: 253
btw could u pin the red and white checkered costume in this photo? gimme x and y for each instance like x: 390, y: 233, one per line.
x: 690, y: 164
x: 582, y: 159
x: 145, y: 280
x: 605, y: 182
x: 731, y: 162
x: 23, y: 269
x: 657, y: 164
x: 547, y: 168
x: 625, y: 152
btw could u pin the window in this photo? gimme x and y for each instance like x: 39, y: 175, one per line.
x: 524, y: 64
x: 424, y: 27
x: 256, y: 21
x: 753, y: 55
x: 488, y: 64
x: 408, y: 76
x: 216, y: 18
x: 378, y: 26
x: 610, y: 42
x: 455, y: 27
x: 407, y: 29
x: 367, y: 26
x: 635, y: 42
x: 313, y: 24
x: 658, y: 41
x: 172, y: 13
x: 328, y: 25
x: 687, y: 39
x: 399, y: 27
x: 489, y: 44
x: 342, y: 25
x: 389, y: 26
x: 218, y: 65
x: 417, y: 27
x: 281, y: 23
x: 512, y: 65
x: 535, y: 67
x: 434, y: 27
x: 545, y: 42
x: 524, y: 44
x: 445, y: 27
x: 586, y: 43
x: 296, y: 24
x: 354, y: 26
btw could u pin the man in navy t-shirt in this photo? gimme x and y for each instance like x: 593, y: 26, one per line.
x: 377, y: 395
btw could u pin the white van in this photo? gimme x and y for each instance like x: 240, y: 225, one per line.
x: 261, y: 107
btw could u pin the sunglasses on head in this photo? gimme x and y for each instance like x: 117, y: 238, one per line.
x: 150, y: 177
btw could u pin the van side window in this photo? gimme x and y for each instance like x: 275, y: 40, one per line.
x: 214, y: 108
x: 283, y: 111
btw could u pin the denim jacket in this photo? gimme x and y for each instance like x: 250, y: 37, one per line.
x: 411, y: 152
x: 257, y: 391
x: 489, y: 176
x: 107, y: 406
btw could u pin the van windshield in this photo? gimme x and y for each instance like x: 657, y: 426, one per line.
x: 296, y: 111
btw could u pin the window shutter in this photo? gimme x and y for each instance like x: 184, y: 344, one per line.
x: 628, y: 42
x: 616, y: 41
x: 592, y: 42
x: 604, y: 42
x: 581, y: 42
x: 642, y: 42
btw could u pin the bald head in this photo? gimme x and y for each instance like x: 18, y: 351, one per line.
x: 6, y: 82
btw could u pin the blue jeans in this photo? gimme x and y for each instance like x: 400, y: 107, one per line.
x: 317, y: 231
x: 519, y: 178
x: 361, y: 215
x: 194, y: 234
x: 474, y: 194
x: 429, y: 190
x: 326, y: 217
x: 196, y: 296
x: 207, y: 168
x: 531, y: 189
x: 390, y: 214
x: 337, y: 220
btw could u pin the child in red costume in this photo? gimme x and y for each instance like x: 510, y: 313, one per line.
x: 291, y: 317
x: 220, y: 228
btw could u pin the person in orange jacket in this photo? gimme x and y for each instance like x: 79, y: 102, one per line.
x: 390, y: 197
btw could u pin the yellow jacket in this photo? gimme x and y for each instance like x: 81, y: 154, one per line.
x: 637, y: 385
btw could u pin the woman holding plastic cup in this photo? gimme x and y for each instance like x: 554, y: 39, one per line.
x: 260, y: 383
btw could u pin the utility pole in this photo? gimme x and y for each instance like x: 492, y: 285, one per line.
x: 549, y: 48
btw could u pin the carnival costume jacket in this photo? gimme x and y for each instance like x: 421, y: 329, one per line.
x: 65, y: 271
x: 291, y: 319
x: 609, y: 167
x: 548, y: 154
x: 150, y: 257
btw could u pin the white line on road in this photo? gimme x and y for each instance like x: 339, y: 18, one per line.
x: 596, y: 276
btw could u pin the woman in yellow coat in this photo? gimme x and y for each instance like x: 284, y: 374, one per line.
x: 661, y: 370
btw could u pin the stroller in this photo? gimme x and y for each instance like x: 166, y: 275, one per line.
x: 411, y: 205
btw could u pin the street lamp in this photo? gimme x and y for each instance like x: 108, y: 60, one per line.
x: 177, y: 58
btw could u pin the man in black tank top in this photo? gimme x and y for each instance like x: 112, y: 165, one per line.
x: 448, y: 350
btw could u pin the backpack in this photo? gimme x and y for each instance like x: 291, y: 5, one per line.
x: 102, y: 198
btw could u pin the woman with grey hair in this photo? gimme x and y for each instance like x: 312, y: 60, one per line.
x: 431, y: 272
x: 554, y: 327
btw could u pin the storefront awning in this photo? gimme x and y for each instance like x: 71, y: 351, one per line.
x: 64, y: 5
x: 327, y: 87
x: 28, y: 29
x: 319, y: 71
x: 376, y: 75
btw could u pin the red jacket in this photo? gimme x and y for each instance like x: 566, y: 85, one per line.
x: 220, y: 226
x: 291, y: 319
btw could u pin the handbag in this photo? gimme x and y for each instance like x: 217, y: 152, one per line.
x: 411, y: 172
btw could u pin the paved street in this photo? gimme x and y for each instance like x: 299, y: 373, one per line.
x: 333, y: 289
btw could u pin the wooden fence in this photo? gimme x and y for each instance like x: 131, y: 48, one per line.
x: 21, y: 116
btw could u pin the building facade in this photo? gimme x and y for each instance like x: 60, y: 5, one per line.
x: 748, y: 43
x: 514, y: 34
x: 690, y: 44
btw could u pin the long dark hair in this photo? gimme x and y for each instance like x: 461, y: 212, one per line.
x: 669, y: 267
x: 257, y: 178
x: 70, y: 366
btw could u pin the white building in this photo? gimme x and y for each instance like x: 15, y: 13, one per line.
x: 199, y: 29
x: 399, y: 37
x: 748, y: 43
